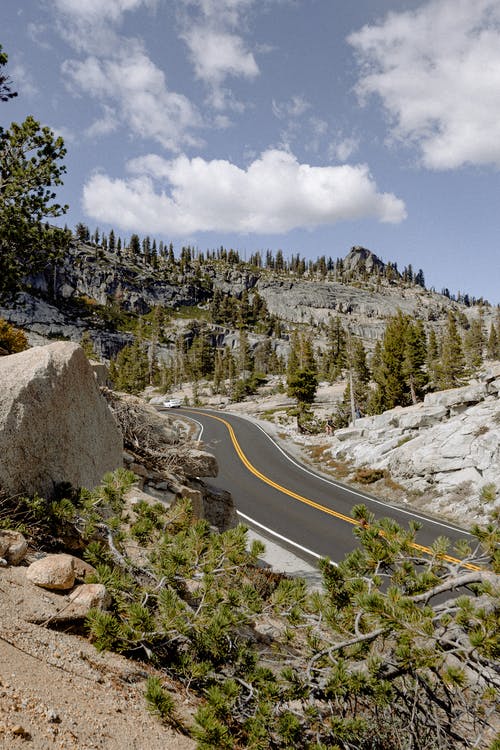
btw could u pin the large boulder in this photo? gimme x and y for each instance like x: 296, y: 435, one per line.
x: 54, y: 424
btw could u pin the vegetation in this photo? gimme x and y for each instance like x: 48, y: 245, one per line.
x: 30, y: 169
x: 380, y: 659
x: 12, y: 339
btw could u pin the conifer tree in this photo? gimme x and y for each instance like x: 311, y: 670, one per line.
x: 293, y: 363
x: 389, y: 373
x: 473, y: 345
x: 432, y: 360
x: 135, y: 245
x: 415, y: 355
x: 334, y: 359
x: 451, y: 368
x: 493, y: 346
x: 129, y: 371
x: 245, y: 358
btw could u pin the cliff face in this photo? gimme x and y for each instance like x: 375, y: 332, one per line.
x: 366, y: 310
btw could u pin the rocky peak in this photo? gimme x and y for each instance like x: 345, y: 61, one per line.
x: 359, y: 259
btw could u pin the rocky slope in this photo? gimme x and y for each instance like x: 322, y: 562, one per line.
x: 91, y: 286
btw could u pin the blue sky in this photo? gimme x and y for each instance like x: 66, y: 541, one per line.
x: 305, y: 125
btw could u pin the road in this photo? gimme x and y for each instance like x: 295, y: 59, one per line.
x: 271, y: 489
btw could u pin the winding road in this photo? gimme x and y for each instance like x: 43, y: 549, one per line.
x: 273, y: 492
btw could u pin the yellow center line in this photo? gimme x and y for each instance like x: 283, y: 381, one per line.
x: 318, y: 506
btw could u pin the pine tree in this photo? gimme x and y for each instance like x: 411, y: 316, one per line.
x: 245, y: 362
x: 389, y: 373
x: 334, y: 359
x: 135, y: 245
x: 129, y: 371
x: 432, y: 360
x: 451, y: 369
x: 493, y: 346
x: 293, y: 362
x: 415, y: 355
x: 473, y: 345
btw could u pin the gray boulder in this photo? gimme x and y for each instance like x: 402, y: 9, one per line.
x: 54, y: 424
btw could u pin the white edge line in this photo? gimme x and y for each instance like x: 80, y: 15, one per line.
x: 358, y: 494
x: 283, y: 538
x: 354, y: 492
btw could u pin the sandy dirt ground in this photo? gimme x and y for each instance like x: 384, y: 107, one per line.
x: 57, y: 691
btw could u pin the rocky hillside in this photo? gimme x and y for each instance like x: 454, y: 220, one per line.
x: 97, y: 290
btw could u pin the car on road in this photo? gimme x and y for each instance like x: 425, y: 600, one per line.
x: 172, y: 403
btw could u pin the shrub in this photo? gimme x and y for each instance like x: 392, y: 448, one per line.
x: 368, y: 476
x: 12, y: 339
x: 488, y: 493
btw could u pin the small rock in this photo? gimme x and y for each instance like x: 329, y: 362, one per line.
x: 53, y: 572
x: 53, y: 716
x: 13, y: 546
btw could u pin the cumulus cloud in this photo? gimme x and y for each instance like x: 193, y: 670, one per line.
x: 437, y: 72
x: 211, y: 30
x: 136, y: 87
x: 273, y: 195
x: 118, y: 74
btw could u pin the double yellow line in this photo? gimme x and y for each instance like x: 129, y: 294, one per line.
x: 348, y: 519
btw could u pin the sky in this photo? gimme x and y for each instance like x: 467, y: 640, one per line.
x: 308, y: 126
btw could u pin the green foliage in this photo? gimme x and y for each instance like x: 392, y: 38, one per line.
x: 88, y: 347
x: 303, y: 385
x: 451, y: 367
x: 6, y: 92
x: 159, y: 702
x: 130, y: 370
x: 30, y: 170
x: 398, y: 364
x: 488, y: 493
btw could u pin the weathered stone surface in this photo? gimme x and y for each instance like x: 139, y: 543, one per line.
x: 199, y: 463
x: 54, y: 424
x: 13, y: 546
x: 101, y: 373
x: 82, y: 569
x: 469, y: 394
x: 88, y: 596
x: 449, y: 445
x: 55, y: 572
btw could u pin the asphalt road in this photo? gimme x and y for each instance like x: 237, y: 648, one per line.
x: 272, y: 489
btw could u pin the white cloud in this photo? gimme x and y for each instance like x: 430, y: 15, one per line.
x: 217, y: 54
x: 211, y: 30
x: 437, y: 71
x: 342, y: 148
x: 119, y: 75
x: 273, y: 195
x: 294, y: 107
x: 24, y: 83
x: 100, y: 10
x: 108, y: 123
x: 136, y: 87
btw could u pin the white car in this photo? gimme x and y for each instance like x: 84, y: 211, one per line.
x: 172, y: 403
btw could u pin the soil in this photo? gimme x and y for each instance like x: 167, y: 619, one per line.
x: 57, y: 691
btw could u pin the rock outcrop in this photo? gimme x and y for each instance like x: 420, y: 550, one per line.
x: 448, y: 446
x: 54, y: 424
